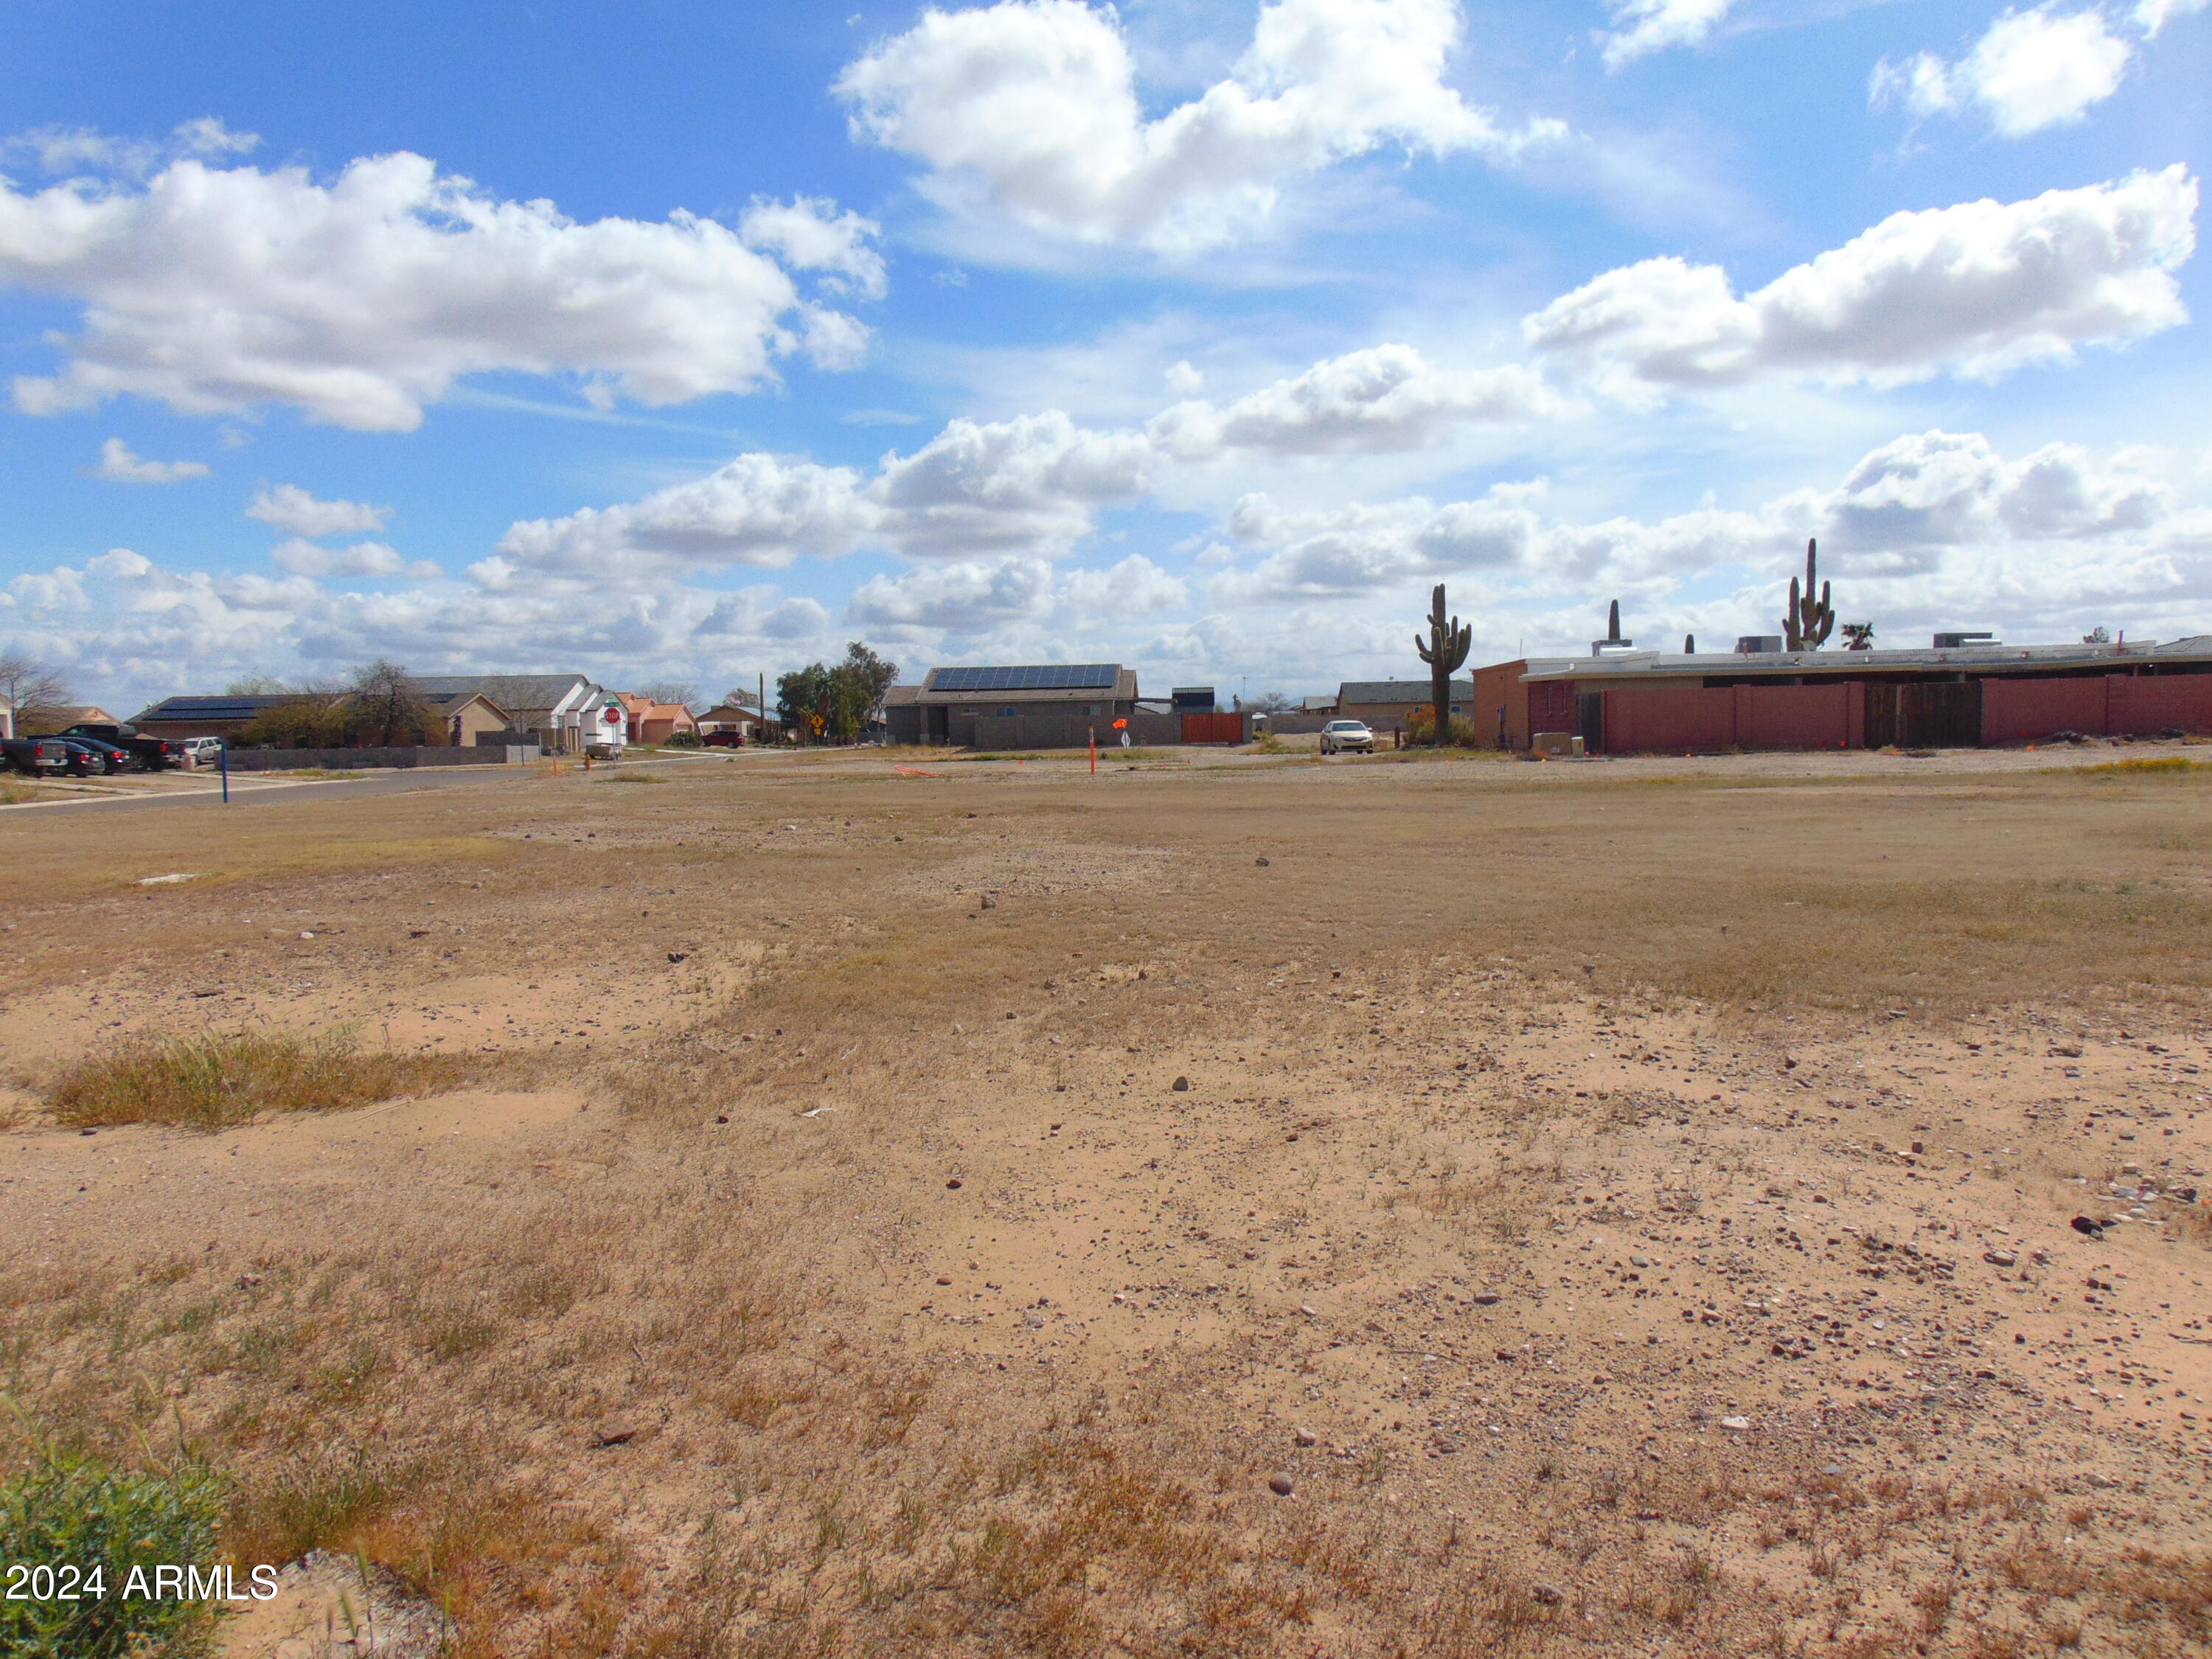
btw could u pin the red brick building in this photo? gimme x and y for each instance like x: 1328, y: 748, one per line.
x: 1627, y: 702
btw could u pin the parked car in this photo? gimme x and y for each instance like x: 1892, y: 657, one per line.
x: 1341, y: 735
x: 88, y: 755
x: 36, y: 757
x: 724, y: 740
x: 199, y: 751
x: 152, y: 753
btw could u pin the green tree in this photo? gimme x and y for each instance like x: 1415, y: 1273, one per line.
x: 802, y: 703
x: 825, y: 704
x: 305, y: 720
x: 873, y: 675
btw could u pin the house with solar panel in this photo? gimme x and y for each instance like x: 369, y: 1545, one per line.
x: 1032, y: 706
x: 192, y: 716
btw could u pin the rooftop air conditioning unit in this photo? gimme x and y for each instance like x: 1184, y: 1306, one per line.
x: 1960, y: 641
x: 1758, y: 645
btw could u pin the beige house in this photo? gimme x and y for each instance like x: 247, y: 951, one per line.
x: 1386, y: 705
x: 740, y: 718
x: 469, y: 716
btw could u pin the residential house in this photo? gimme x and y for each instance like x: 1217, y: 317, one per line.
x: 1033, y: 706
x: 740, y: 718
x: 191, y: 716
x: 1385, y: 706
x: 563, y: 712
x: 471, y: 717
x: 648, y: 721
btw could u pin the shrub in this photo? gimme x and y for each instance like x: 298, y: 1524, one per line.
x: 1421, y: 723
x: 64, y: 1508
x: 212, y: 1082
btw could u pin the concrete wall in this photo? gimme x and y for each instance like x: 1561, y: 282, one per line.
x: 2107, y: 705
x: 2028, y: 711
x: 354, y: 760
x: 1679, y: 720
x: 1055, y: 731
x: 2142, y: 705
x: 1644, y: 720
x: 1500, y: 686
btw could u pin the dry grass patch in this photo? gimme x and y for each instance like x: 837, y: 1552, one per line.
x: 216, y: 1081
x: 2167, y: 763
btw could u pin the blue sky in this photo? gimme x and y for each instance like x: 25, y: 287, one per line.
x: 672, y: 341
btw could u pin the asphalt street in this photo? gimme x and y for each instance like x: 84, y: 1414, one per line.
x: 252, y: 789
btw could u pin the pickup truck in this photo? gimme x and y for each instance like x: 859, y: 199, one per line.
x: 39, y: 757
x: 153, y: 753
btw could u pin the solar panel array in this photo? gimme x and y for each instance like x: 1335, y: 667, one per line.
x: 211, y: 708
x: 1047, y: 677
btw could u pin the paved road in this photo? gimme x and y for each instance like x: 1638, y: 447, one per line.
x: 252, y: 789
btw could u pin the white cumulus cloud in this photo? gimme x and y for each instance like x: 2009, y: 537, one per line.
x: 1642, y: 27
x: 306, y: 558
x: 1031, y: 107
x: 1032, y: 484
x: 288, y: 506
x: 1386, y: 399
x: 2152, y: 16
x: 1918, y: 509
x: 809, y: 233
x: 358, y: 301
x: 973, y: 597
x: 758, y: 510
x: 964, y: 597
x: 2032, y: 70
x: 118, y: 465
x: 1974, y: 289
x: 1028, y: 485
x: 129, y: 630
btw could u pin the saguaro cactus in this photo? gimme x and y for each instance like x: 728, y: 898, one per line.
x: 1445, y: 652
x: 1810, y: 620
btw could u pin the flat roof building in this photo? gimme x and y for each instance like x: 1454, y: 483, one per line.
x: 1940, y: 697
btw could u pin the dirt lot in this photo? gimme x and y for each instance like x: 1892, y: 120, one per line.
x: 1225, y: 1207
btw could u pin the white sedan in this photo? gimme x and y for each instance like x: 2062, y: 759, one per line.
x: 1341, y: 735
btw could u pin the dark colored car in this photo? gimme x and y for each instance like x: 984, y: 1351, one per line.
x: 152, y: 753
x: 38, y: 756
x: 88, y: 755
x: 724, y: 740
